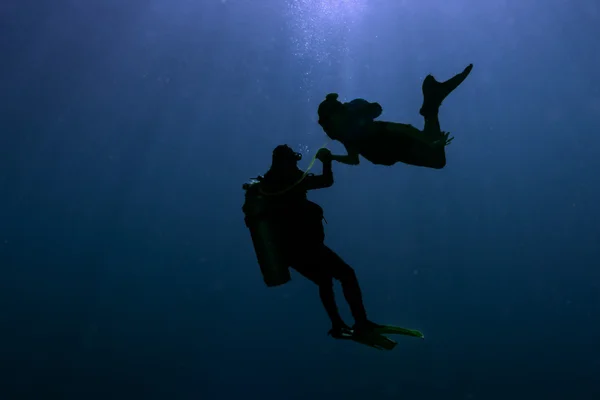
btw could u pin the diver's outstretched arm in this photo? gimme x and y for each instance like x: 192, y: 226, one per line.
x: 349, y: 159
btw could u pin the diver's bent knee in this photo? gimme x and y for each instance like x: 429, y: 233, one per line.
x: 439, y: 164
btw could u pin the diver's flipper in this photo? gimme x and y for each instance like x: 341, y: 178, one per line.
x: 396, y: 330
x: 371, y: 339
x: 435, y: 92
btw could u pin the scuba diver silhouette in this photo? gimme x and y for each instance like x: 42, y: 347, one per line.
x: 297, y: 224
x: 287, y: 231
x: 386, y: 143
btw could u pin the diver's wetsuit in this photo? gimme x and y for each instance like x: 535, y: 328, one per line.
x: 387, y: 143
x: 321, y: 265
x: 301, y: 226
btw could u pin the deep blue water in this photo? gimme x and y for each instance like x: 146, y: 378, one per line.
x: 127, y: 129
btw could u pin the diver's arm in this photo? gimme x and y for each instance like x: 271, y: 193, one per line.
x: 349, y: 159
x: 322, y: 181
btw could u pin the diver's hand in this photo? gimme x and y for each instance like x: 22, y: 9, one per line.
x: 323, y: 155
x: 444, y: 140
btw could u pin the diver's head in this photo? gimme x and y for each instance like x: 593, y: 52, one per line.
x: 285, y: 157
x: 329, y: 108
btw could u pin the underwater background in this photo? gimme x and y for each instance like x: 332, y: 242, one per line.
x: 127, y: 129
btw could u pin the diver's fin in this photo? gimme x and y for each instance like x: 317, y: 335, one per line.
x: 396, y: 330
x: 435, y: 92
x: 371, y: 339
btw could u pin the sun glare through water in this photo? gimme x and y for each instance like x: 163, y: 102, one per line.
x: 321, y: 27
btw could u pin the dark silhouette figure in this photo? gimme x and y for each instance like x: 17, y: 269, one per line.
x: 300, y: 234
x: 386, y: 143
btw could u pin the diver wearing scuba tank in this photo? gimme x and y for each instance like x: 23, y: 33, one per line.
x: 287, y: 231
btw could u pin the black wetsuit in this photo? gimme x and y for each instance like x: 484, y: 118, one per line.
x: 387, y: 143
x: 302, y: 238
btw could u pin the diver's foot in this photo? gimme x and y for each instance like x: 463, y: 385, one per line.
x: 339, y: 331
x: 435, y: 92
x: 364, y: 327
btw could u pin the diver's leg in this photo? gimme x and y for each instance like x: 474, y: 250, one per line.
x: 432, y: 129
x: 311, y: 268
x: 347, y: 277
x: 338, y: 326
x: 435, y: 92
x: 432, y: 125
x: 435, y: 158
x: 398, y: 142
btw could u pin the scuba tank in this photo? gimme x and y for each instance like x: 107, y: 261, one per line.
x: 264, y: 233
